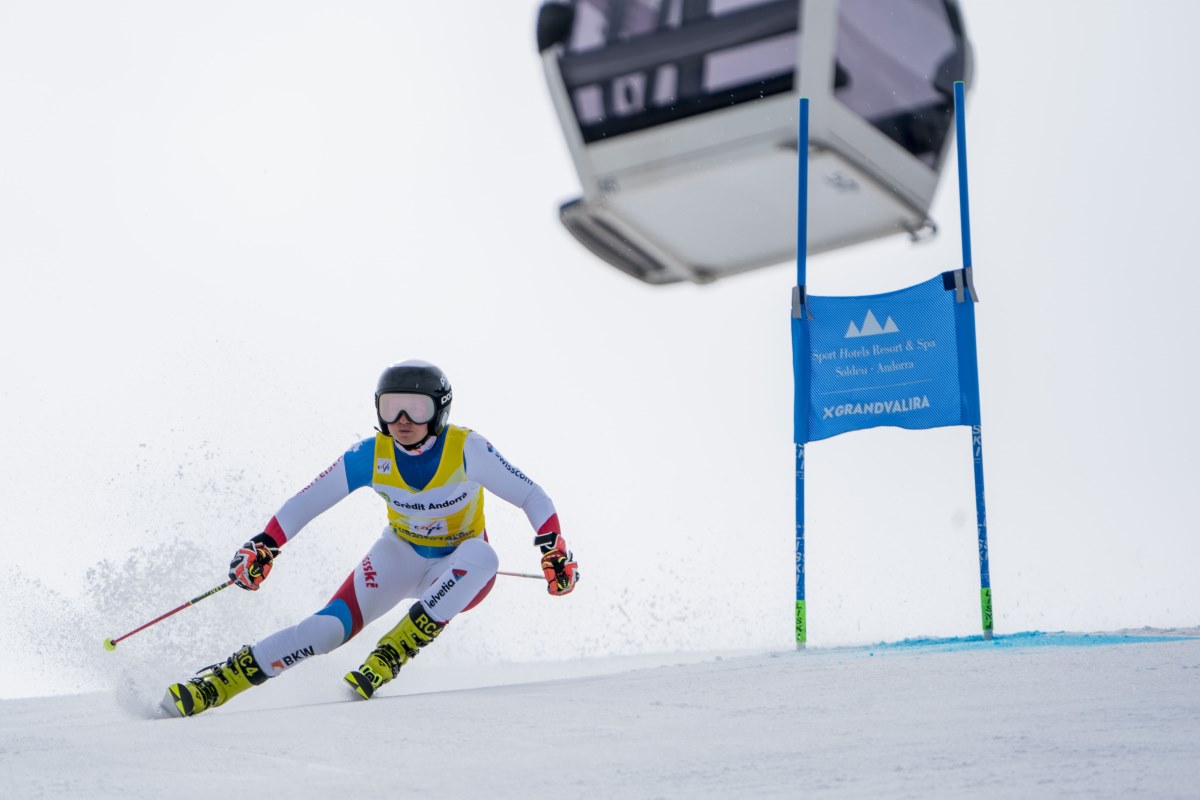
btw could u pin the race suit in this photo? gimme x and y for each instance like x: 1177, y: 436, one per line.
x: 434, y: 546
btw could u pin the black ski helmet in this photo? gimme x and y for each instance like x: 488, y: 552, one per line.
x: 418, y: 377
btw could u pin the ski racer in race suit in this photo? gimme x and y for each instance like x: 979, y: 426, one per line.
x: 434, y: 547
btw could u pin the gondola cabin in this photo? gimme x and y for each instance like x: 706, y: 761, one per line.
x: 681, y: 119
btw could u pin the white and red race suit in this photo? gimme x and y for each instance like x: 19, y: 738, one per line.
x: 434, y: 546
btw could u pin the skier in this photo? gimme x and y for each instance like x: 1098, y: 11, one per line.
x: 434, y: 547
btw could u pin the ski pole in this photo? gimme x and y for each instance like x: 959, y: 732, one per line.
x: 111, y: 644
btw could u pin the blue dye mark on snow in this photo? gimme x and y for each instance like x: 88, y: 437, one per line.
x: 1026, y: 639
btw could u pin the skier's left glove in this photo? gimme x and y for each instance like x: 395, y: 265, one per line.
x: 252, y: 563
x: 558, y: 564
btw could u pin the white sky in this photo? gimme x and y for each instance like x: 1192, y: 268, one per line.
x: 219, y: 221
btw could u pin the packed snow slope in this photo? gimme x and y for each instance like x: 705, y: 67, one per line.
x: 1035, y: 715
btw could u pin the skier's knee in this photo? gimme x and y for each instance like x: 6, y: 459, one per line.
x: 479, y: 554
x: 339, y: 610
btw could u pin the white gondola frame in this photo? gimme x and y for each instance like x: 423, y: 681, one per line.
x: 675, y: 190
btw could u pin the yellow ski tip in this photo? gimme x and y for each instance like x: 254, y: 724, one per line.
x: 110, y: 645
x: 360, y: 685
x: 173, y: 702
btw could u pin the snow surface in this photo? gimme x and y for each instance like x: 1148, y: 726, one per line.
x: 1036, y: 715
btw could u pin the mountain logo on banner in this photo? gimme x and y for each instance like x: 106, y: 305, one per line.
x: 870, y: 327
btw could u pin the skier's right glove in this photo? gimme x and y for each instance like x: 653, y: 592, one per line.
x: 252, y: 563
x: 558, y: 564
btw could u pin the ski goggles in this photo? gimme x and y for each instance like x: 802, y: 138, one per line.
x: 417, y: 407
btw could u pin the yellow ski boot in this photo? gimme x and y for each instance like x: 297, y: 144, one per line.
x: 397, y: 646
x: 214, y: 685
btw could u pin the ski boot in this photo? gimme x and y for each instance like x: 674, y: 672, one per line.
x: 397, y: 646
x: 214, y: 685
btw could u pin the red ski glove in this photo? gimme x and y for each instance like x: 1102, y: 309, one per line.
x: 252, y: 563
x: 558, y: 564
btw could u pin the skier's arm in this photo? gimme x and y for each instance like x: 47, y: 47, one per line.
x: 251, y: 564
x: 351, y: 471
x: 492, y: 471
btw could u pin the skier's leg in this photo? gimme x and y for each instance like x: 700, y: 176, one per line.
x: 389, y: 573
x: 460, y: 580
x: 453, y: 583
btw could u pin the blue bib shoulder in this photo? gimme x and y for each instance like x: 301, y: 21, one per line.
x: 360, y: 463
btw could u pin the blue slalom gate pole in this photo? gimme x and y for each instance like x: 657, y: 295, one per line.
x: 985, y: 580
x: 802, y: 198
x: 800, y: 365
